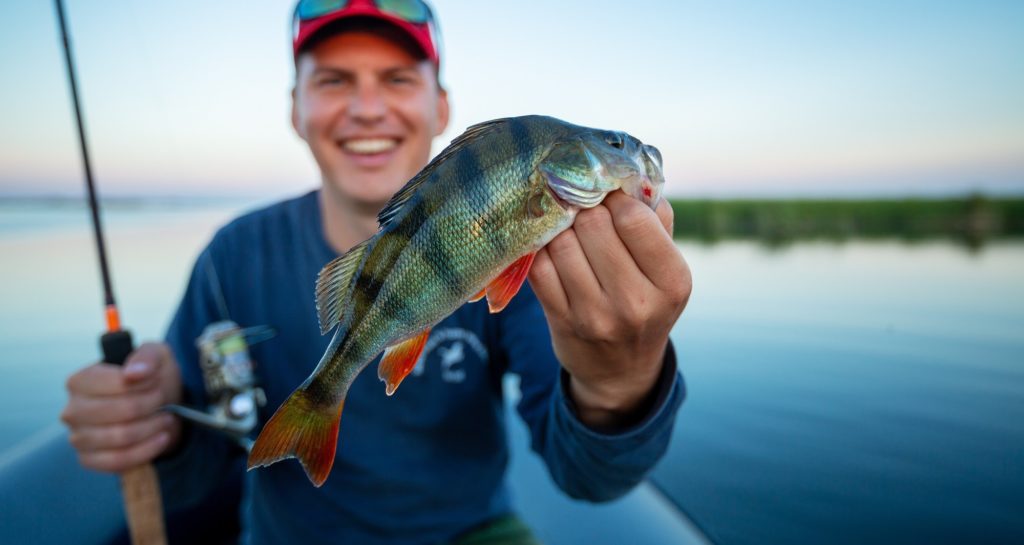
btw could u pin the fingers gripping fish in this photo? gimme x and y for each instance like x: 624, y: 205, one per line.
x: 464, y: 228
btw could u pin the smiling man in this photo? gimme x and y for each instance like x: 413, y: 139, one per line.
x: 368, y: 105
x: 600, y: 388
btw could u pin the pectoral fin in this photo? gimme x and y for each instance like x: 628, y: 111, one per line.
x: 478, y: 296
x: 502, y: 289
x: 399, y: 360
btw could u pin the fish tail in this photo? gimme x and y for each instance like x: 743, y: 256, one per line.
x: 301, y: 428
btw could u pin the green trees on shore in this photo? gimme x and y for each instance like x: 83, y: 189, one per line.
x: 973, y: 219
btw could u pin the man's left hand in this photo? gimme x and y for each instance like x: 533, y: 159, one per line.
x: 612, y: 287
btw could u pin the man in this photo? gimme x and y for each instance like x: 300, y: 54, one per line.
x: 599, y: 383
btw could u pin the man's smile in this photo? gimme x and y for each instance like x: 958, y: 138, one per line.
x: 369, y: 146
x: 370, y: 152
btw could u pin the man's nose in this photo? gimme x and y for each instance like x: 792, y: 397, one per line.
x: 368, y: 104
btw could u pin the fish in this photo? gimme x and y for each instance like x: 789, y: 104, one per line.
x: 464, y: 228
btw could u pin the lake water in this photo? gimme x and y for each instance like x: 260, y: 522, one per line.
x: 852, y: 393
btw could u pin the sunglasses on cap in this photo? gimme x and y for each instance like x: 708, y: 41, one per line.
x: 414, y: 16
x: 413, y: 11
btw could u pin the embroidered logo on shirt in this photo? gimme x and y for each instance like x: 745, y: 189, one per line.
x: 450, y: 344
x: 449, y: 358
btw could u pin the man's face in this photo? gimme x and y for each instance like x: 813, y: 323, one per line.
x: 368, y: 111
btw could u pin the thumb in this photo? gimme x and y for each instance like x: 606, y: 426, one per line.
x: 666, y: 215
x: 143, y: 363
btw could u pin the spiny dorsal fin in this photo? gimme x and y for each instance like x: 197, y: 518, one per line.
x: 334, y: 284
x: 472, y: 134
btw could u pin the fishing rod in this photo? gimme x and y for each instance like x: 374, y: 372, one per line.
x: 139, y: 485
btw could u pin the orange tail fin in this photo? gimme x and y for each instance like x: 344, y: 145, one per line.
x: 300, y: 429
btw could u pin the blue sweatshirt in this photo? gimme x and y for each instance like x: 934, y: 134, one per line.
x: 421, y: 466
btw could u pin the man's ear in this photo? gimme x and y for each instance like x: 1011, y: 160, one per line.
x: 295, y: 116
x: 443, y: 111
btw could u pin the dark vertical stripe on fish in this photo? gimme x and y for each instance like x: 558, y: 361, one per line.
x: 521, y: 138
x: 485, y: 197
x: 380, y: 261
x: 443, y: 266
x: 437, y: 256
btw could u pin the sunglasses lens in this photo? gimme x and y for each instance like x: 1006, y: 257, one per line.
x: 413, y: 11
x: 311, y: 9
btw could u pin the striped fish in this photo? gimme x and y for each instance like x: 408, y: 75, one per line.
x: 466, y: 227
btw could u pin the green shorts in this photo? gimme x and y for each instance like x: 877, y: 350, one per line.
x: 505, y: 530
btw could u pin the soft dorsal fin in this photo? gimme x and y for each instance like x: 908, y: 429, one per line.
x: 334, y: 285
x: 472, y: 134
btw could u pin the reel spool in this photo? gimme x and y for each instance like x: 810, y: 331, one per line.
x: 232, y: 394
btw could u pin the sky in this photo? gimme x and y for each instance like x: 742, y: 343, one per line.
x: 756, y: 98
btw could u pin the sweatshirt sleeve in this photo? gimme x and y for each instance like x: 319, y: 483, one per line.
x: 203, y: 458
x: 595, y: 465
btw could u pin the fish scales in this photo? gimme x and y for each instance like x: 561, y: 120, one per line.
x: 446, y: 260
x: 452, y: 237
x: 468, y: 170
x: 469, y: 222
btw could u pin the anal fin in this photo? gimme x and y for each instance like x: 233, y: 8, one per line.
x: 502, y: 289
x: 399, y: 360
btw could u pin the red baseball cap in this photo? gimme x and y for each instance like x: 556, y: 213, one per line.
x: 414, y: 17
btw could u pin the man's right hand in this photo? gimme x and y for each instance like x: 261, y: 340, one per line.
x: 113, y: 411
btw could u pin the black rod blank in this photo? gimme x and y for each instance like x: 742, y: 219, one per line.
x: 94, y: 206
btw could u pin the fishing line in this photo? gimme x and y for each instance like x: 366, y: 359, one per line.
x: 218, y: 292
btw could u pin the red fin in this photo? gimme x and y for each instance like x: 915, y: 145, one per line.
x: 478, y: 296
x: 300, y: 429
x: 399, y: 360
x: 502, y: 289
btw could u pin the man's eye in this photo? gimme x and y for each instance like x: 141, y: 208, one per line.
x: 326, y: 81
x: 401, y: 80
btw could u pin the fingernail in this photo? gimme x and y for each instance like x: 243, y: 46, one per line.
x: 138, y: 367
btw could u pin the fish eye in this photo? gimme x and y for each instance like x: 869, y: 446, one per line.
x: 614, y: 140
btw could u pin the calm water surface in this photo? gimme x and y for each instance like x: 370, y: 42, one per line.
x: 862, y: 392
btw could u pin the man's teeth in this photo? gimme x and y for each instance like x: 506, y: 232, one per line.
x: 370, y: 145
